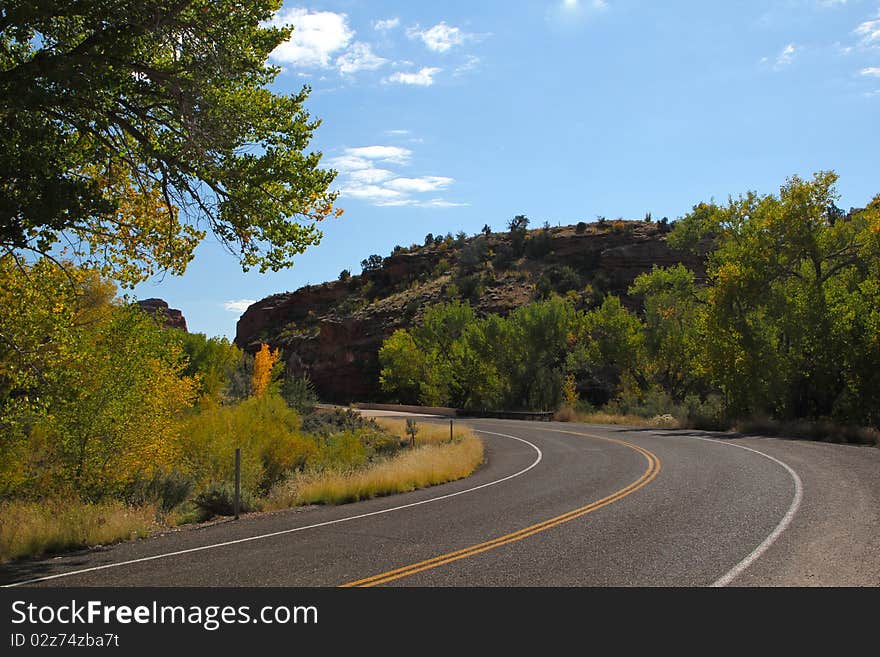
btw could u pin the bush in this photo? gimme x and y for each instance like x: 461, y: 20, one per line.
x: 581, y: 227
x: 470, y: 287
x: 266, y: 430
x: 326, y: 423
x: 164, y: 489
x: 341, y: 452
x: 218, y: 499
x: 300, y: 394
x: 538, y: 246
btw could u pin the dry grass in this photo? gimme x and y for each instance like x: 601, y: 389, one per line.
x: 37, y: 528
x: 431, y: 462
x: 427, y: 434
x: 566, y: 414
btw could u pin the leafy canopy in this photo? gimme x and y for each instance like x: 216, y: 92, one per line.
x: 128, y: 126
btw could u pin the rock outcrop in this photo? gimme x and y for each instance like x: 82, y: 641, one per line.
x: 333, y: 331
x: 170, y: 317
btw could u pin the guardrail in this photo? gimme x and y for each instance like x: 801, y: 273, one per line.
x: 541, y: 416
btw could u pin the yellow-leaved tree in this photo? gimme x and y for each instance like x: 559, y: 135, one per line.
x: 264, y: 362
x: 91, y: 388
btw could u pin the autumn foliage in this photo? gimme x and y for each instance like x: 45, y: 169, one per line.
x: 264, y: 362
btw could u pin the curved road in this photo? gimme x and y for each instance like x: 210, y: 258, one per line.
x: 554, y: 505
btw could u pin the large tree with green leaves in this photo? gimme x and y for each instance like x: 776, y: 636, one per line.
x: 127, y: 128
x: 791, y: 306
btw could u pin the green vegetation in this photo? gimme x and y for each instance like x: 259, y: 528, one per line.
x: 785, y: 327
x: 129, y: 133
x: 435, y: 460
x: 131, y: 129
x: 113, y: 425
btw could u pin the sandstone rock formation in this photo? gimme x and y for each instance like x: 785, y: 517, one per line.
x: 333, y: 331
x: 170, y: 317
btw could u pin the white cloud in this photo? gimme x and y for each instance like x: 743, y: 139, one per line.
x: 870, y: 32
x: 382, y: 186
x: 423, y: 184
x: 238, y: 305
x: 397, y: 133
x: 440, y: 37
x: 786, y: 57
x: 590, y: 4
x: 394, y: 154
x: 871, y: 70
x: 373, y: 193
x: 360, y: 57
x: 470, y: 64
x: 414, y: 203
x: 347, y: 163
x: 316, y: 37
x: 370, y: 176
x: 387, y: 24
x: 424, y: 77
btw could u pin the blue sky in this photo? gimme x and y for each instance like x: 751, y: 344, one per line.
x: 445, y: 116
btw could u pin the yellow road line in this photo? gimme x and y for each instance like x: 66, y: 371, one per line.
x: 647, y: 476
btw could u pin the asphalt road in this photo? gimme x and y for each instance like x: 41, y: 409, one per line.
x: 554, y: 505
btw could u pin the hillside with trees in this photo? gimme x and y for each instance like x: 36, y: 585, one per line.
x: 333, y: 332
x: 784, y: 325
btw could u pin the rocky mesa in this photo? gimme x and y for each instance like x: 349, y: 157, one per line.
x: 333, y: 332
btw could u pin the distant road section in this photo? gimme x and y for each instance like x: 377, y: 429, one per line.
x: 556, y: 504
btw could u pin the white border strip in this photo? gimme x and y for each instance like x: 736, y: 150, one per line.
x: 739, y: 568
x: 298, y: 529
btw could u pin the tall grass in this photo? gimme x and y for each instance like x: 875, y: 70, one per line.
x: 435, y: 462
x: 38, y: 528
x: 427, y: 433
x: 666, y: 421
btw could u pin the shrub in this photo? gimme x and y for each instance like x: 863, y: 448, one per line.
x: 581, y: 227
x: 341, y: 452
x: 266, y: 430
x: 538, y: 246
x: 218, y: 499
x: 338, y: 420
x: 164, y: 489
x: 470, y: 287
x: 299, y: 393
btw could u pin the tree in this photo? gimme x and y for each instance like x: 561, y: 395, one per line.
x: 373, y: 263
x: 518, y: 227
x: 127, y: 126
x: 519, y: 223
x: 792, y: 285
x: 609, y: 345
x: 674, y: 315
x: 264, y: 364
x: 344, y: 275
x: 487, y: 229
x: 402, y: 367
x: 91, y: 389
x: 212, y: 362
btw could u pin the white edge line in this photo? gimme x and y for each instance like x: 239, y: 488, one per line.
x: 739, y: 568
x: 296, y: 529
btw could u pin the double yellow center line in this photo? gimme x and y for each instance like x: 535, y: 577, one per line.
x: 647, y: 476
